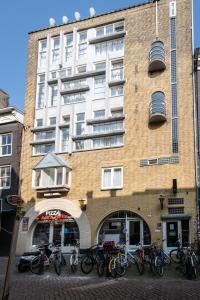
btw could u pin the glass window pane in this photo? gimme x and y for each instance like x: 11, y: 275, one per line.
x: 107, y: 178
x: 59, y: 176
x: 117, y: 177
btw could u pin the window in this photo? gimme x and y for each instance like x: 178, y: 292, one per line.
x: 79, y: 145
x: 74, y: 98
x: 53, y: 95
x: 175, y: 201
x: 117, y: 70
x: 99, y: 86
x: 117, y: 90
x: 82, y: 48
x: 109, y: 47
x: 112, y: 178
x: 45, y: 135
x: 53, y: 75
x: 41, y: 91
x: 66, y: 119
x: 80, y: 123
x: 106, y: 142
x: 99, y: 114
x: 75, y: 84
x: 43, y: 148
x: 68, y: 46
x: 5, y: 177
x: 81, y: 69
x: 175, y: 210
x: 66, y: 73
x: 65, y: 139
x: 117, y: 112
x: 39, y: 122
x: 100, y: 66
x: 6, y: 144
x: 51, y: 177
x: 42, y: 53
x: 108, y: 127
x: 109, y: 29
x: 55, y: 50
x: 52, y: 121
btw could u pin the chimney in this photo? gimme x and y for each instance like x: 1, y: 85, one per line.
x: 4, y: 99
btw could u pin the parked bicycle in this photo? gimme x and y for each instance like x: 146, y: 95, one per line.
x: 74, y: 258
x: 46, y: 258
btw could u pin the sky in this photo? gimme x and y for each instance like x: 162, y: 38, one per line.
x: 18, y: 17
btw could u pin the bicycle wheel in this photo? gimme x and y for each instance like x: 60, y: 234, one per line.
x: 73, y: 264
x: 36, y: 265
x: 100, y: 268
x: 175, y: 256
x: 152, y: 266
x: 120, y: 265
x: 194, y: 274
x: 140, y: 266
x: 87, y: 264
x: 111, y: 267
x: 159, y: 266
x: 63, y: 260
x: 57, y: 266
x: 167, y: 259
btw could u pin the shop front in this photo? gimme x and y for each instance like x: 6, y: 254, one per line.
x: 56, y: 226
x: 60, y: 220
x: 125, y: 227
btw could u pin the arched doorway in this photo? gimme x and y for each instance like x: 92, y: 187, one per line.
x: 125, y: 227
x: 56, y: 226
x: 25, y: 237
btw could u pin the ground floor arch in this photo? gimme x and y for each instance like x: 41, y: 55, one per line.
x: 53, y: 219
x: 124, y: 227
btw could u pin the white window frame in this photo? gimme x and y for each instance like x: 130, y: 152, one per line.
x: 84, y: 44
x: 104, y: 29
x: 42, y: 174
x: 112, y: 68
x: 41, y: 52
x: 115, y: 87
x: 40, y: 83
x: 7, y: 187
x: 66, y: 142
x: 68, y: 46
x: 53, y: 49
x: 36, y: 122
x: 1, y: 145
x: 80, y: 122
x: 53, y: 100
x: 112, y: 187
x: 50, y: 120
x: 43, y: 144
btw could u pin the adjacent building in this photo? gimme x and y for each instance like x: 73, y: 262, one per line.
x: 108, y: 151
x: 11, y: 128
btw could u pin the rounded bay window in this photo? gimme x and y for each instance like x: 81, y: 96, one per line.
x: 125, y: 227
x: 157, y: 111
x: 157, y: 57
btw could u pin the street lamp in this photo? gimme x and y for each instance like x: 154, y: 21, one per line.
x: 161, y: 199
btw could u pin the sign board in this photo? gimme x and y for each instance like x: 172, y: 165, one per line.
x: 14, y: 200
x: 53, y: 215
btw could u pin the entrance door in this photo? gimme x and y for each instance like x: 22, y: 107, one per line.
x: 134, y: 233
x: 172, y: 234
x: 174, y: 231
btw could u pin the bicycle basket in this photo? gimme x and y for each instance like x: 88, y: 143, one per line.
x: 109, y: 245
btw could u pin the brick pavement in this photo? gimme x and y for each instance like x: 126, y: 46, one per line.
x: 27, y: 286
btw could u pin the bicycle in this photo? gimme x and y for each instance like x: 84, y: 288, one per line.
x: 90, y: 259
x: 48, y: 257
x: 74, y: 258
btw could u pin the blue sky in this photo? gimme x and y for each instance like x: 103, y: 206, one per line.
x: 17, y: 18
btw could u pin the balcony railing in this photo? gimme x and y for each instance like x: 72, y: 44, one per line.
x: 157, y: 57
x: 157, y: 111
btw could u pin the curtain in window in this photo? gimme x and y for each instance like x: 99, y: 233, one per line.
x: 117, y: 177
x: 107, y: 178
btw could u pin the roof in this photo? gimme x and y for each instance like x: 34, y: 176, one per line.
x: 4, y: 92
x: 97, y: 16
x: 51, y: 160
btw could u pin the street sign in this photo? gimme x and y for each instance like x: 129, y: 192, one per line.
x: 14, y: 200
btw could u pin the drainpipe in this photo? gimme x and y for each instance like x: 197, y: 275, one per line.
x: 196, y: 132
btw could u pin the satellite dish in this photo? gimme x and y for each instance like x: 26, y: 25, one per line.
x: 52, y: 22
x: 92, y: 12
x: 65, y: 19
x: 77, y: 16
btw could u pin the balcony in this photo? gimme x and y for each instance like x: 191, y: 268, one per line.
x: 157, y: 57
x: 157, y: 111
x: 75, y: 89
x: 108, y: 37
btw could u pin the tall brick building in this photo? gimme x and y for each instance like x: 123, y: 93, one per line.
x: 108, y: 150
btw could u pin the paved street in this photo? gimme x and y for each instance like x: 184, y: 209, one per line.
x: 49, y: 286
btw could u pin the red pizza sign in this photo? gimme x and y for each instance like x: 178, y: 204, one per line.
x: 53, y: 215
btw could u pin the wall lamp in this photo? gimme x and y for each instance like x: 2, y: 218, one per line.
x: 82, y: 203
x: 161, y: 199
